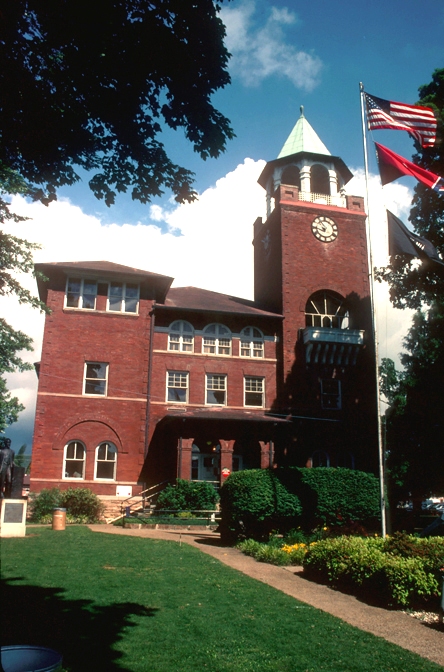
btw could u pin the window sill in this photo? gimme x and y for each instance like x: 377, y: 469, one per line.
x: 94, y: 311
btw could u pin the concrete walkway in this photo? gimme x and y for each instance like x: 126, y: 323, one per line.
x: 394, y: 626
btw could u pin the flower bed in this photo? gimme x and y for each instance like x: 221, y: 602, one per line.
x: 399, y: 571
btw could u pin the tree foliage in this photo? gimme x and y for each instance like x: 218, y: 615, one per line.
x: 15, y: 258
x: 415, y: 421
x: 92, y: 85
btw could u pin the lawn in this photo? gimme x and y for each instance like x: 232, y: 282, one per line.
x: 110, y: 603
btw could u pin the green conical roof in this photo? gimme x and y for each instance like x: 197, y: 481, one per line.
x: 303, y: 138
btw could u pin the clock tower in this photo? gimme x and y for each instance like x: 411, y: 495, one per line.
x: 311, y: 266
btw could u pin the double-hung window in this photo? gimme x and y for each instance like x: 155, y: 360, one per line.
x: 251, y: 342
x: 81, y: 293
x: 331, y: 394
x: 216, y: 389
x: 74, y: 460
x: 216, y: 340
x: 177, y: 387
x: 95, y: 378
x: 254, y: 391
x: 181, y: 336
x: 106, y: 462
x: 123, y: 297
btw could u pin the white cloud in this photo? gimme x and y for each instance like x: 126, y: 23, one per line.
x: 261, y: 52
x: 392, y: 324
x: 213, y: 250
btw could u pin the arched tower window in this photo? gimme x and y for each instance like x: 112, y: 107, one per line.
x: 291, y: 175
x: 320, y: 181
x: 326, y: 309
x: 216, y: 340
x: 181, y: 336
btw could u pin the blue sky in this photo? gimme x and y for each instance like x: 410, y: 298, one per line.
x: 283, y: 55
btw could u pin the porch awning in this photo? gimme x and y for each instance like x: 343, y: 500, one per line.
x: 220, y: 415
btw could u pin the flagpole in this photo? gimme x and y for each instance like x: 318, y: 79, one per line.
x: 374, y: 327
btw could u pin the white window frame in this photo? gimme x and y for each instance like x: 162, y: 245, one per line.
x: 97, y: 462
x: 254, y: 385
x: 331, y: 399
x: 124, y: 298
x: 81, y: 294
x: 217, y: 340
x: 181, y: 337
x: 87, y: 379
x: 77, y: 444
x: 251, y: 343
x: 177, y: 380
x: 215, y: 382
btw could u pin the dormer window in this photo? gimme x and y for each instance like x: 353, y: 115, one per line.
x: 81, y: 293
x: 123, y: 297
x: 251, y: 342
x: 216, y: 340
x: 181, y: 336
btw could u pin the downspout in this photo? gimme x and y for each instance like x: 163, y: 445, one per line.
x: 150, y: 369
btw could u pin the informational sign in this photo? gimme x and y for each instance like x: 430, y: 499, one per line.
x: 13, y: 517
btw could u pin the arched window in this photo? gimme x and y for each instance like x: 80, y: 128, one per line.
x: 216, y: 340
x: 74, y: 460
x: 251, y: 342
x: 320, y: 459
x: 326, y: 309
x: 106, y: 462
x: 320, y: 180
x: 181, y: 336
x: 292, y: 176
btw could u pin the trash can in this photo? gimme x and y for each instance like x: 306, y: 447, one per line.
x: 59, y: 519
x: 30, y: 659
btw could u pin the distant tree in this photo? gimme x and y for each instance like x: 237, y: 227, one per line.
x: 92, y: 85
x: 415, y: 420
x: 15, y: 257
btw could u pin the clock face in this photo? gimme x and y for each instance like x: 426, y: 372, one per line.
x: 325, y: 229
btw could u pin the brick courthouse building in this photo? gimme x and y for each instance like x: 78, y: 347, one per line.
x: 139, y: 382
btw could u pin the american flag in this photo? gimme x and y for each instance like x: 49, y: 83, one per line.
x: 417, y: 120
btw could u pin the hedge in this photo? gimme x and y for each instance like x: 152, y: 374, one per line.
x: 335, y: 497
x: 187, y: 496
x: 257, y: 501
x: 253, y: 503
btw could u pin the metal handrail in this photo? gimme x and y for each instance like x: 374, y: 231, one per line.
x: 142, y: 496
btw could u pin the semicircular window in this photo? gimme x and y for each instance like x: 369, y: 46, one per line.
x: 326, y: 309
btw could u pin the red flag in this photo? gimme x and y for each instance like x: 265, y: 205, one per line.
x: 419, y: 121
x: 392, y: 166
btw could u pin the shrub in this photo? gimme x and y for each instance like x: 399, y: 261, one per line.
x: 43, y: 503
x: 253, y: 503
x: 334, y: 497
x: 81, y: 504
x: 187, y: 496
x: 372, y: 565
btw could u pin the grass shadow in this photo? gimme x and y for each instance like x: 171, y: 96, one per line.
x: 83, y: 632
